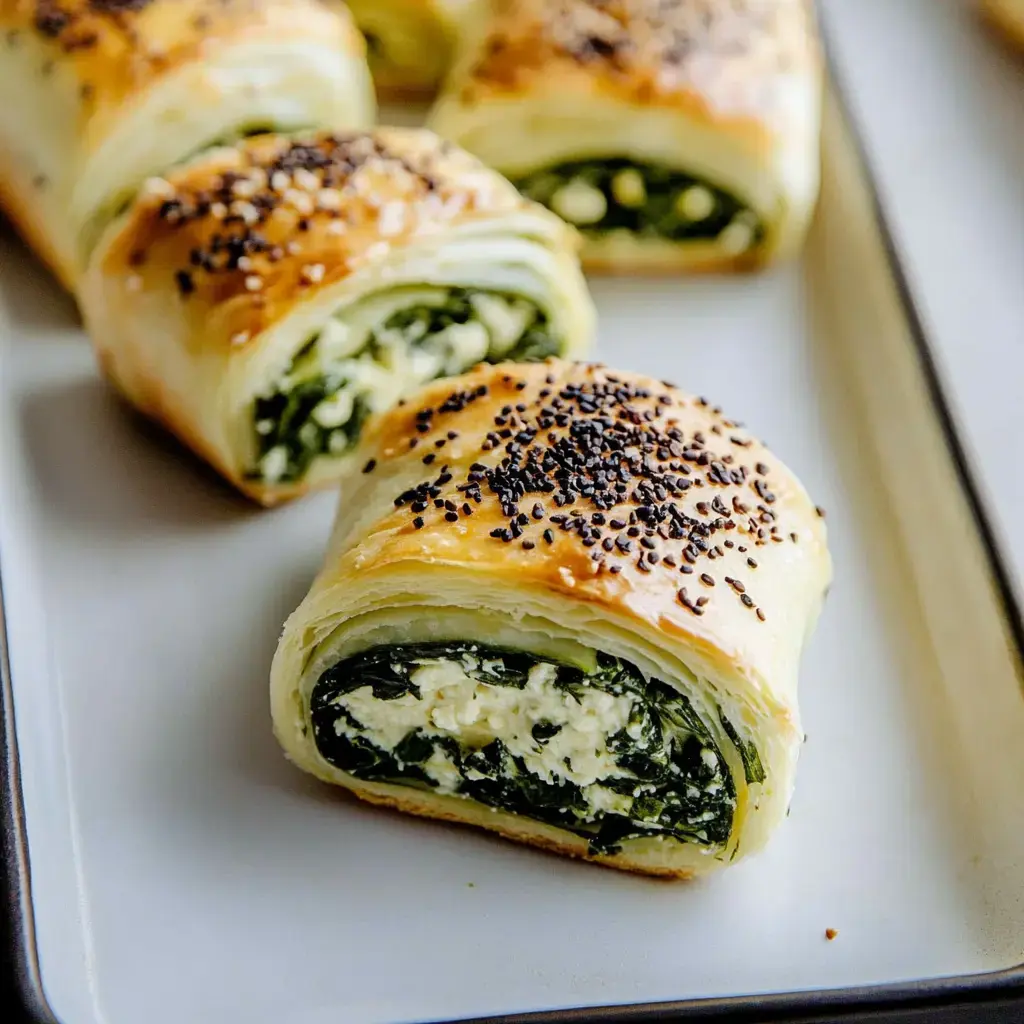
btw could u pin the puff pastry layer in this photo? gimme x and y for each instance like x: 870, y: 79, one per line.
x: 576, y: 623
x: 410, y: 42
x: 100, y: 94
x: 676, y: 135
x: 264, y: 299
x: 1008, y: 17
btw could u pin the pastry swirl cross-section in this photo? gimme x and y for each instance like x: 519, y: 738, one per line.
x: 676, y: 134
x: 565, y: 604
x: 265, y: 299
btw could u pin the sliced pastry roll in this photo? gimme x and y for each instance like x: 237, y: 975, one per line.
x: 99, y: 94
x: 567, y: 605
x: 409, y: 42
x: 678, y: 135
x: 1008, y: 17
x: 263, y: 300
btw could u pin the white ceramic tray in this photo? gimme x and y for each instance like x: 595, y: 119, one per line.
x: 173, y: 868
x: 939, y: 100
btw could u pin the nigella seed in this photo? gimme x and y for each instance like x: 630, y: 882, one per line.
x: 370, y: 466
x: 418, y: 522
x: 707, y: 580
x: 428, y: 459
x: 451, y: 517
x: 185, y: 283
x: 549, y: 536
x: 746, y: 599
x: 760, y: 614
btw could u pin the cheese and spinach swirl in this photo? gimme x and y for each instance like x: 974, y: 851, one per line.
x: 576, y: 620
x: 265, y: 299
x: 677, y: 136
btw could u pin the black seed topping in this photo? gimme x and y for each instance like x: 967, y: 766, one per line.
x: 606, y: 457
x: 370, y: 466
x: 184, y: 281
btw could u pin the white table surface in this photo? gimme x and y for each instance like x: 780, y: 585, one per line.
x: 939, y: 103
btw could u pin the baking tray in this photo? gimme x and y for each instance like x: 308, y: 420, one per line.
x: 166, y: 864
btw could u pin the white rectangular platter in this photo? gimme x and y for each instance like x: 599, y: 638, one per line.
x: 939, y: 98
x: 182, y: 871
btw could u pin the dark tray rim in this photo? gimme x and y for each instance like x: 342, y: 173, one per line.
x: 920, y: 1001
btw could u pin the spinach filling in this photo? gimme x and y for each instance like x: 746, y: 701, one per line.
x: 603, y: 754
x: 346, y: 371
x: 653, y: 201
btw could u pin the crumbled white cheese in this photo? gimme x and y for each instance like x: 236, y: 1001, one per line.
x: 452, y: 703
x: 736, y: 238
x: 695, y: 203
x: 628, y: 188
x: 579, y: 202
x: 467, y: 344
x: 274, y: 463
x: 334, y: 410
x: 505, y: 320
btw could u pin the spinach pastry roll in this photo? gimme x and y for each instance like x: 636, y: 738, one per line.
x: 567, y: 605
x: 676, y: 136
x: 409, y: 42
x: 264, y: 299
x: 100, y: 94
x: 1008, y: 17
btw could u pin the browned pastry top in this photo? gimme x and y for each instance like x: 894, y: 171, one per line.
x: 119, y: 46
x: 245, y: 228
x: 729, y: 55
x: 610, y: 487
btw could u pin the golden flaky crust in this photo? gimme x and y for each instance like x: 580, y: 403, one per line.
x: 413, y: 42
x: 109, y: 91
x: 1007, y: 16
x: 699, y: 471
x: 18, y: 205
x: 117, y: 48
x: 509, y: 826
x: 728, y: 93
x: 719, y: 61
x: 569, y: 502
x: 244, y: 231
x: 221, y: 272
